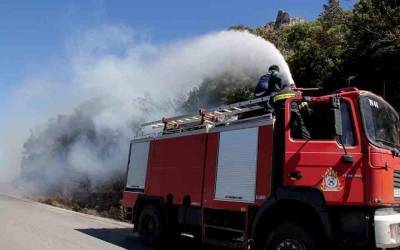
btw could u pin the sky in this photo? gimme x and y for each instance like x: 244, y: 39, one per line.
x: 35, y: 35
x: 59, y: 56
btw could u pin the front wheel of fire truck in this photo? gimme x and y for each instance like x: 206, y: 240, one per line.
x: 150, y: 226
x: 291, y: 235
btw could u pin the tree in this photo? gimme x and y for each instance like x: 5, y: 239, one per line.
x: 332, y: 15
x: 315, y: 53
x: 374, y: 54
x: 241, y: 27
x: 314, y: 50
x: 363, y: 43
x: 224, y: 89
x: 277, y: 36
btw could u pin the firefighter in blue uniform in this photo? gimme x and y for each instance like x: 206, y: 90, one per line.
x: 269, y: 83
x: 272, y: 85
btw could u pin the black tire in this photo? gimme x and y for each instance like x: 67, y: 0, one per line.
x: 151, y: 226
x: 292, y: 235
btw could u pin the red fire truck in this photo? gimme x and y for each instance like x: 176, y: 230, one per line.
x: 241, y: 176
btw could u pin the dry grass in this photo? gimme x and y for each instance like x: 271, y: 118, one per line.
x: 102, y: 209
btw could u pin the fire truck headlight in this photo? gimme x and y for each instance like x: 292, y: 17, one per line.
x: 387, y: 228
x: 394, y: 232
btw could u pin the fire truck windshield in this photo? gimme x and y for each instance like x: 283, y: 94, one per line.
x: 381, y: 122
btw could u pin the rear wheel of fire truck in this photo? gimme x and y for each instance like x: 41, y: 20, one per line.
x: 150, y: 226
x: 291, y: 235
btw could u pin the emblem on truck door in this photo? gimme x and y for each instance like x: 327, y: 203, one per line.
x: 331, y: 181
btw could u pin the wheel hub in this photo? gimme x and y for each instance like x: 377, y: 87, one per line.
x: 150, y: 226
x: 290, y: 244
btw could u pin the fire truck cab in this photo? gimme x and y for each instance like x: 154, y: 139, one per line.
x: 241, y: 176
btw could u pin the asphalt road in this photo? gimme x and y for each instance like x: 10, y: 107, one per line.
x: 30, y: 225
x: 25, y: 224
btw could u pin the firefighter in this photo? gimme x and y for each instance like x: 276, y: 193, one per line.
x: 269, y: 83
x: 299, y: 111
x: 272, y: 85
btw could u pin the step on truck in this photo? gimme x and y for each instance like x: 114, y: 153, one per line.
x: 245, y: 177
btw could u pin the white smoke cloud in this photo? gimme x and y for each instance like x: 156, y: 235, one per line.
x: 121, y: 68
x: 118, y: 72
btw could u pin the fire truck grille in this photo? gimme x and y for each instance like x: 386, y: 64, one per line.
x: 396, y: 182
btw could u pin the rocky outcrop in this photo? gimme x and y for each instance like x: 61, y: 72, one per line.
x: 283, y: 18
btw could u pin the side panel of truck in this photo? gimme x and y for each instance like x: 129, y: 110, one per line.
x: 176, y: 167
x: 237, y: 165
x: 138, y: 162
x: 136, y: 172
x: 261, y: 184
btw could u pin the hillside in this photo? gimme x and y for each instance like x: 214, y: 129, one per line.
x: 360, y: 48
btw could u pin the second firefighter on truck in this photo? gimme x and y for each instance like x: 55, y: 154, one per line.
x: 272, y: 85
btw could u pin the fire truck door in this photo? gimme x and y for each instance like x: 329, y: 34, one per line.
x: 320, y: 162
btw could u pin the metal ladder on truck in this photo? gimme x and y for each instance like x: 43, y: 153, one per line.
x: 207, y: 118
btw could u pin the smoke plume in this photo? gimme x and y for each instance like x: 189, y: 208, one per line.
x: 111, y: 81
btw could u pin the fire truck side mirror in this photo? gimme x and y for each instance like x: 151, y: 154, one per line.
x: 336, y: 116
